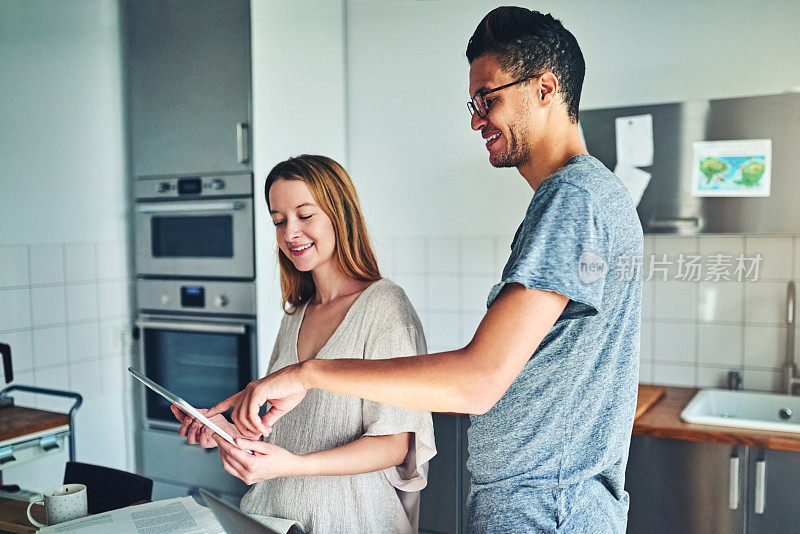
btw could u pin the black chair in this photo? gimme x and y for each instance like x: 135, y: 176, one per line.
x: 107, y: 488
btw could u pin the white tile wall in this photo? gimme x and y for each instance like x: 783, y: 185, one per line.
x: 80, y: 263
x: 14, y: 261
x: 675, y: 342
x: 47, y: 264
x: 738, y: 323
x: 693, y: 331
x: 64, y: 310
x: 477, y: 255
x: 444, y: 255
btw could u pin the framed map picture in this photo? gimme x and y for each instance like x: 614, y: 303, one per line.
x: 739, y: 168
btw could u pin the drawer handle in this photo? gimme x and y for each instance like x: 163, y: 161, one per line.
x: 761, y: 486
x: 242, y: 145
x: 733, y: 484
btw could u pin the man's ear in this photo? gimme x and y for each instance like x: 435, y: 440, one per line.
x: 547, y: 88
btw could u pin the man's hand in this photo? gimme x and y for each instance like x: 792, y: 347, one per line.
x: 282, y: 389
x: 267, y: 461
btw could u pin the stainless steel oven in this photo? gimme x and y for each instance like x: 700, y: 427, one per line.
x: 195, y: 226
x: 197, y: 339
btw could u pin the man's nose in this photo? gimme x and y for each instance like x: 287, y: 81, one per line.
x: 477, y: 122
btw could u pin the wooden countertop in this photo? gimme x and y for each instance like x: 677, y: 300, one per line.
x: 663, y: 421
x: 16, y: 421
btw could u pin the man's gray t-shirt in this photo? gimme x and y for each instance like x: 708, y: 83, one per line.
x: 551, y: 454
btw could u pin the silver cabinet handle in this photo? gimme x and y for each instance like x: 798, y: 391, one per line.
x: 673, y: 223
x: 733, y: 484
x: 761, y: 486
x: 174, y: 207
x: 242, y: 142
x: 206, y: 328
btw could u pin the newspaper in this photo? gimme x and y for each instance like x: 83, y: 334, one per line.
x: 172, y: 516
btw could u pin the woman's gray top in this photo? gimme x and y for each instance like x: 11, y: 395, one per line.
x: 381, y: 323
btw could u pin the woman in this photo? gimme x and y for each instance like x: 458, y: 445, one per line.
x: 336, y: 303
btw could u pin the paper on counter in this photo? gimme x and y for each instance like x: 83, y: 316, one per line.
x: 634, y: 140
x: 172, y: 516
x: 635, y: 180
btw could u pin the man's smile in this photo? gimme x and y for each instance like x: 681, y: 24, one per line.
x: 490, y: 139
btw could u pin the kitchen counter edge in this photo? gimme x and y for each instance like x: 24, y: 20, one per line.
x: 663, y: 420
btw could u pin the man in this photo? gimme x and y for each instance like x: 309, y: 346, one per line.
x: 551, y: 373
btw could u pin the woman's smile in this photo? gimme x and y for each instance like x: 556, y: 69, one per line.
x: 299, y: 250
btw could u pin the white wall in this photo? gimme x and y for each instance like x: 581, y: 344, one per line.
x: 61, y: 134
x: 64, y: 283
x: 419, y: 168
x: 443, y: 217
x: 298, y: 108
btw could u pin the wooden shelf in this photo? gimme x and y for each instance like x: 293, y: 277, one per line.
x: 16, y: 421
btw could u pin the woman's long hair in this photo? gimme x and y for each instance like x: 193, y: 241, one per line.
x: 332, y: 189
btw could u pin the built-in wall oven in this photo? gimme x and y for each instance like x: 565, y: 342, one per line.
x: 197, y: 339
x: 195, y: 226
x: 196, y: 320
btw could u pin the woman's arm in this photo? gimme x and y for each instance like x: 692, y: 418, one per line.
x: 364, y: 455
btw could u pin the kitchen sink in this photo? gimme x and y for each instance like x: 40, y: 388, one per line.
x: 744, y: 409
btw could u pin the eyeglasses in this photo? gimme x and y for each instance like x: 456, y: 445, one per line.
x: 478, y: 102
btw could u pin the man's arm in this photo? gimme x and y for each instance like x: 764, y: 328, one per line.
x: 468, y: 380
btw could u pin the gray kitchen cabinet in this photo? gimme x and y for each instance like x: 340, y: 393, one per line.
x: 188, y: 81
x: 691, y: 487
x: 685, y: 486
x: 442, y: 502
x: 774, y: 492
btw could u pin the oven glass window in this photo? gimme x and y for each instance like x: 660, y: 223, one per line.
x: 203, y: 369
x: 192, y: 236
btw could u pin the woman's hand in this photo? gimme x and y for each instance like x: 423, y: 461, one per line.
x: 267, y: 461
x: 282, y: 389
x: 197, y: 433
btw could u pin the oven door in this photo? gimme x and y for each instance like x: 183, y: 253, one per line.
x: 202, y: 361
x: 198, y: 238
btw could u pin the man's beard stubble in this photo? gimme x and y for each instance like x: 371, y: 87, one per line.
x: 516, y: 153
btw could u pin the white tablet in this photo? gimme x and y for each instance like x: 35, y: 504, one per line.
x: 183, y: 405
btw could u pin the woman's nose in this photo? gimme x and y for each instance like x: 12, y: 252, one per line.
x: 292, y: 228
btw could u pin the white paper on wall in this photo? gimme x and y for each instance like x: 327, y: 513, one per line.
x: 634, y: 140
x: 635, y: 180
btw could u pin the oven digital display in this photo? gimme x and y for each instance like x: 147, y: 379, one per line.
x: 189, y: 186
x: 193, y: 296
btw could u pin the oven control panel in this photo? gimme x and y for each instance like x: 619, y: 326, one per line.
x: 217, y: 297
x: 174, y: 188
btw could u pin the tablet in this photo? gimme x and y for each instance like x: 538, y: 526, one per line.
x: 183, y: 405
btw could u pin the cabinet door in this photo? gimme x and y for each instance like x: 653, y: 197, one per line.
x: 466, y: 476
x: 441, y: 501
x: 188, y: 81
x: 684, y: 486
x: 773, y: 481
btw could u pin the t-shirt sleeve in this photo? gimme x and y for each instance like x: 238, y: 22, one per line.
x: 563, y: 245
x: 382, y: 420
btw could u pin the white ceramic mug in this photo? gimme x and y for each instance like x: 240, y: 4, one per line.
x: 62, y: 503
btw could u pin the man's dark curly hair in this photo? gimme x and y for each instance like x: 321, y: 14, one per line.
x: 526, y: 43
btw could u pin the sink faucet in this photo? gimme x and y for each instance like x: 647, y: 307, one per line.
x: 790, y: 378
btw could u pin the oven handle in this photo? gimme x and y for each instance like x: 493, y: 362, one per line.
x: 207, y: 328
x: 232, y: 205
